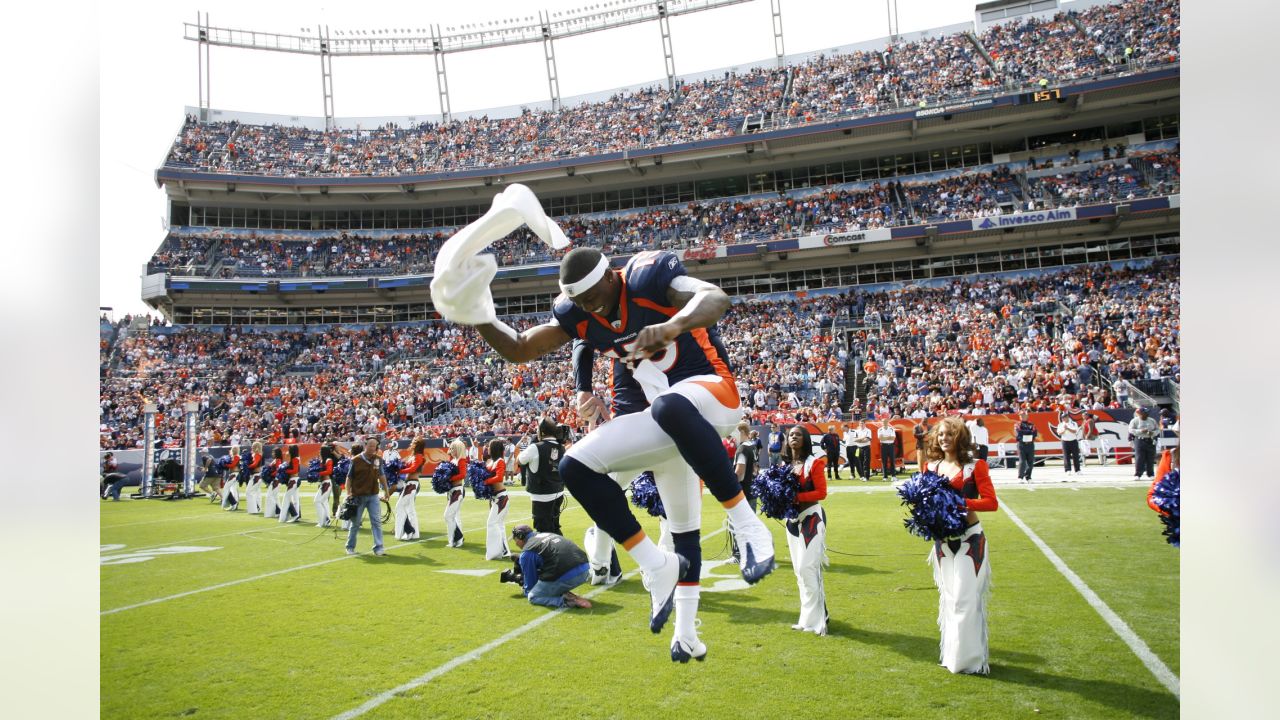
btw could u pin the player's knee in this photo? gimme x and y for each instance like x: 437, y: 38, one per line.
x: 672, y: 411
x: 689, y: 544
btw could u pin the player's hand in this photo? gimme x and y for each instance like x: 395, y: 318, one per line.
x: 592, y: 409
x: 653, y: 340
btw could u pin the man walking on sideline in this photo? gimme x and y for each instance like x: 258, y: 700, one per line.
x: 857, y: 447
x: 1069, y: 434
x: 831, y: 446
x: 363, y: 481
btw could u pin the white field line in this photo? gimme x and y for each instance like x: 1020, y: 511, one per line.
x: 478, y: 652
x: 1135, y: 643
x: 231, y: 583
x: 162, y: 520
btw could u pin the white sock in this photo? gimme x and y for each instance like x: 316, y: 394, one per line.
x: 740, y: 515
x: 648, y: 555
x: 686, y: 602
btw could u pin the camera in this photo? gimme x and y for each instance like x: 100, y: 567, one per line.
x: 348, y: 509
x: 511, y: 576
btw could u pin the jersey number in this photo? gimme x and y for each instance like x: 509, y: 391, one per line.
x: 665, y: 359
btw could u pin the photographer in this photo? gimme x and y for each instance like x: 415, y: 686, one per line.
x: 112, y: 479
x: 363, y: 482
x: 550, y: 567
x: 542, y: 461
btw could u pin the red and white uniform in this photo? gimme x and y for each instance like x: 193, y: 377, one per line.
x: 962, y: 572
x: 807, y: 541
x: 253, y: 489
x: 271, y: 505
x: 231, y: 486
x: 324, y: 494
x: 406, y: 512
x: 495, y: 529
x: 290, y: 503
x: 452, y: 523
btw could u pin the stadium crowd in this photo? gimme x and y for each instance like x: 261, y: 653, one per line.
x: 983, y: 344
x: 1040, y: 343
x: 1102, y: 39
x: 227, y: 252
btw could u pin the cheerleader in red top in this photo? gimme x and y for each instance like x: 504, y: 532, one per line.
x: 406, y: 501
x: 271, y: 505
x: 291, y: 504
x: 962, y: 565
x: 325, y: 493
x: 452, y: 525
x: 807, y: 533
x: 253, y: 488
x: 495, y: 546
x: 231, y: 481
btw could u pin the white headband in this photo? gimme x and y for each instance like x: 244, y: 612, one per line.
x: 583, y: 285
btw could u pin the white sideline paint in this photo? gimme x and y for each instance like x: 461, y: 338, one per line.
x: 1135, y: 643
x: 474, y: 654
x: 231, y: 583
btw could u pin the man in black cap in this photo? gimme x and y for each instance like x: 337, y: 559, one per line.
x: 551, y: 566
x: 546, y: 490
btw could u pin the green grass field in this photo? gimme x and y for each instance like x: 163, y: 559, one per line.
x: 276, y: 622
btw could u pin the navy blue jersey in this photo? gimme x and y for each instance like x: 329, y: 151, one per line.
x: 643, y: 302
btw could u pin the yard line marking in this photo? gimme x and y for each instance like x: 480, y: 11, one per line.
x: 231, y: 583
x: 474, y: 654
x: 210, y: 537
x: 1135, y: 643
x: 162, y: 520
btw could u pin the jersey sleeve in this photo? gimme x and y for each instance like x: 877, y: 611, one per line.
x: 649, y: 274
x: 499, y: 473
x: 327, y: 470
x: 583, y: 359
x: 567, y: 316
x: 415, y: 465
x: 817, y: 480
x: 986, y: 500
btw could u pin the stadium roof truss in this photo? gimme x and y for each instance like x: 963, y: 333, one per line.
x: 433, y: 40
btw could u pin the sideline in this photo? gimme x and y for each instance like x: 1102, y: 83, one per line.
x: 465, y: 658
x: 1135, y: 643
x: 263, y: 576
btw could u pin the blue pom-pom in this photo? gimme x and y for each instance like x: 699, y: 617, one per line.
x: 282, y: 472
x: 391, y: 469
x: 477, y: 473
x: 775, y: 490
x: 341, y: 470
x: 644, y: 494
x: 937, y: 509
x: 440, y: 478
x: 313, y: 470
x: 246, y: 459
x: 1167, y: 497
x: 222, y: 464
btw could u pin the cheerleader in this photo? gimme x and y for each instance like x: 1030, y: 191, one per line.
x: 962, y: 565
x: 231, y: 482
x: 325, y: 492
x: 406, y: 502
x: 496, y: 528
x: 271, y: 506
x: 253, y: 484
x: 452, y: 523
x: 807, y: 533
x: 341, y: 494
x: 291, y: 504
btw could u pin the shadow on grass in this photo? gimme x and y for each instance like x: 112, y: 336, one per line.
x: 1139, y: 702
x: 849, y: 569
x: 914, y: 647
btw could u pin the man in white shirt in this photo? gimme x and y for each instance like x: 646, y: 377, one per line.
x: 888, y: 440
x: 1069, y: 434
x: 981, y: 438
x: 857, y: 446
x: 1142, y: 433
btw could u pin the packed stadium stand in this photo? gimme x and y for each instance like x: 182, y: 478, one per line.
x: 980, y: 217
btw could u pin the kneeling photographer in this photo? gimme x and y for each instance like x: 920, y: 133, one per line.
x: 549, y: 567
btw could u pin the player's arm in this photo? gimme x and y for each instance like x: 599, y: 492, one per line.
x: 590, y: 408
x: 525, y: 346
x: 699, y: 304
